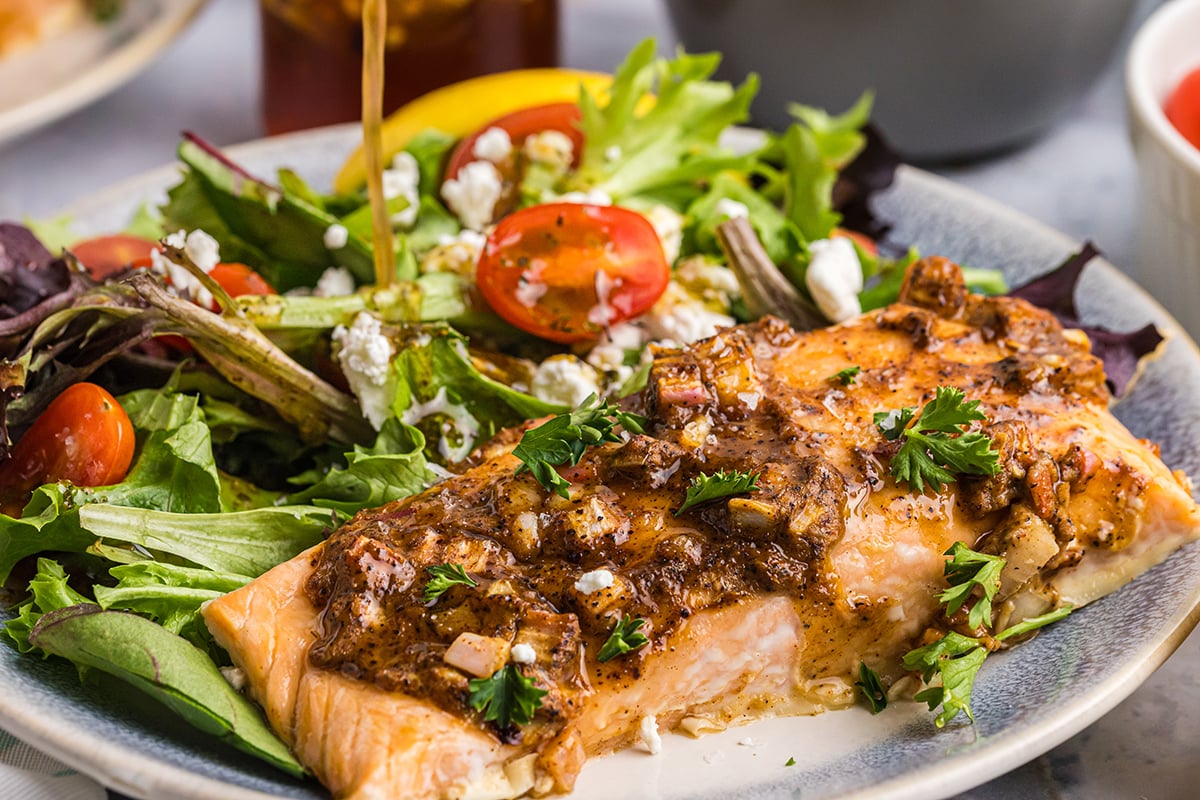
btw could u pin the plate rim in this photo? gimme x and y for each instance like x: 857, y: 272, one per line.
x: 112, y: 765
x: 112, y: 70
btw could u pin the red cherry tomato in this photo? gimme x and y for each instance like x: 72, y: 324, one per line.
x: 238, y: 279
x: 860, y: 239
x: 1183, y: 107
x: 563, y: 271
x: 105, y: 255
x: 83, y: 436
x: 520, y: 125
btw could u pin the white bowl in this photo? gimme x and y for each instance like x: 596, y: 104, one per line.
x: 1168, y: 254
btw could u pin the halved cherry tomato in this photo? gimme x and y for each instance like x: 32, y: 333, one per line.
x: 861, y: 239
x: 520, y: 125
x: 1183, y: 107
x: 565, y: 271
x: 83, y: 436
x: 105, y: 255
x: 238, y: 279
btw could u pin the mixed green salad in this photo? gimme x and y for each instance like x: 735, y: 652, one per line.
x: 247, y: 387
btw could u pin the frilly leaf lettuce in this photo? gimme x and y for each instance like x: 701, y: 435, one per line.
x: 169, y: 594
x: 436, y: 377
x: 393, y: 467
x: 672, y: 142
x: 48, y: 591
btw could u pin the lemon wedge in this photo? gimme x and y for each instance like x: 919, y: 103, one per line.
x: 461, y: 108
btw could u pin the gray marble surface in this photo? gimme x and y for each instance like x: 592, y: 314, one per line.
x: 1078, y: 178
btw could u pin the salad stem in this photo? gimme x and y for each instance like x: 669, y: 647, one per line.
x: 764, y: 287
x: 374, y: 21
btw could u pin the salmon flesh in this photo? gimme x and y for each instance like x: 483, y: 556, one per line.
x: 759, y: 604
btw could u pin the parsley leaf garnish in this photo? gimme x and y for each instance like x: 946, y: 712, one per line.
x: 507, y: 697
x: 965, y: 570
x: 720, y: 484
x: 847, y: 376
x: 791, y: 762
x: 871, y: 687
x: 937, y: 446
x: 565, y: 438
x: 445, y: 576
x: 955, y: 659
x: 623, y: 639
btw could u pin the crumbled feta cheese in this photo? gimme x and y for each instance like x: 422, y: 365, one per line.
x: 336, y: 236
x: 235, y: 677
x: 365, y: 355
x: 403, y: 180
x: 553, y: 148
x: 835, y: 278
x: 748, y: 742
x: 612, y: 153
x: 607, y: 357
x: 522, y: 653
x: 648, y: 732
x: 473, y: 194
x: 458, y: 254
x: 710, y: 282
x: 733, y: 209
x: 528, y: 290
x: 334, y: 282
x: 602, y: 313
x: 593, y: 198
x: 493, y: 145
x: 668, y: 224
x: 203, y: 251
x: 595, y: 581
x: 678, y: 318
x: 626, y: 335
x: 564, y: 379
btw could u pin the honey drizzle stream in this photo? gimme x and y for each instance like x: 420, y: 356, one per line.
x: 374, y: 23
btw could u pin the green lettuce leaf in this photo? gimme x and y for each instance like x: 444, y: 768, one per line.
x: 392, y: 468
x: 673, y: 142
x: 169, y: 594
x: 49, y: 592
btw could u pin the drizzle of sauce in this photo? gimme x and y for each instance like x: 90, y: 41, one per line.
x: 374, y: 46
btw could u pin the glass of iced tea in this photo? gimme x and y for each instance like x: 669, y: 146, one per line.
x: 312, y: 51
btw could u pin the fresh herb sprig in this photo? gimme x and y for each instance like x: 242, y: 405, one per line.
x: 705, y: 488
x: 445, y: 576
x: 846, y: 376
x: 955, y: 659
x: 871, y: 687
x: 506, y: 697
x: 937, y: 445
x: 623, y: 639
x: 565, y: 438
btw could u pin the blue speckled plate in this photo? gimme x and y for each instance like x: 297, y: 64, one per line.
x: 1026, y: 701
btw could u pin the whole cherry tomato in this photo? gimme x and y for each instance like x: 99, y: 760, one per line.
x: 105, y: 255
x: 565, y: 271
x: 83, y: 436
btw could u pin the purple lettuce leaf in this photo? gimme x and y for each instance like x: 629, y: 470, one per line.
x: 1120, y: 351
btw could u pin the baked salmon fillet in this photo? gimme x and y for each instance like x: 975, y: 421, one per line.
x: 758, y: 604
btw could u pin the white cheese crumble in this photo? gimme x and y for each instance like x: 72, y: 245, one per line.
x: 678, y: 318
x: 235, y: 677
x: 748, y: 742
x: 522, y: 653
x: 365, y: 355
x: 668, y: 224
x: 336, y: 236
x: 334, y: 282
x: 595, y: 581
x: 474, y: 193
x: 403, y: 180
x: 204, y: 252
x: 835, y: 278
x: 458, y: 254
x: 648, y: 732
x: 493, y: 145
x: 710, y: 282
x: 595, y: 197
x: 602, y: 313
x: 612, y: 153
x: 564, y: 379
x: 553, y: 148
x: 733, y: 209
